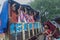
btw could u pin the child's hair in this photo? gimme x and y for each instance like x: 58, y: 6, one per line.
x: 22, y: 8
x: 47, y: 26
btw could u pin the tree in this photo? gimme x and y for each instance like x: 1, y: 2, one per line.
x: 50, y: 6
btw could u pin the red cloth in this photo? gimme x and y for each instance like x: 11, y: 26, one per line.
x: 13, y: 16
x: 52, y: 28
x: 56, y: 34
x: 48, y: 32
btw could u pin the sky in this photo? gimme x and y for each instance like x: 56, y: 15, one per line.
x: 1, y: 4
x: 23, y: 1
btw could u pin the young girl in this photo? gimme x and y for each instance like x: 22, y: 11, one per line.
x: 47, y: 32
x: 13, y: 14
x: 31, y: 17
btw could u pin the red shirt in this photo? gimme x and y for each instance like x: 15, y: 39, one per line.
x: 13, y: 16
x: 48, y: 32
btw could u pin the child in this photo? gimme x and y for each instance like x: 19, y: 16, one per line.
x: 31, y: 17
x: 47, y: 32
x: 13, y: 13
x: 21, y: 17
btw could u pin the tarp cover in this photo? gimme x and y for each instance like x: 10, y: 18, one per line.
x: 4, y: 17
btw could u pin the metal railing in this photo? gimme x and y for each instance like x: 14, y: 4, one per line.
x: 24, y: 30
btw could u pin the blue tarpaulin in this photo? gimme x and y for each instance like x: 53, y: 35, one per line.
x: 4, y: 17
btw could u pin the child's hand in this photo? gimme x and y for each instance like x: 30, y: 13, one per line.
x: 49, y: 35
x: 43, y: 33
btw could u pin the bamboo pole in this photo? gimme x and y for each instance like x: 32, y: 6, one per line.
x: 15, y: 32
x: 36, y: 30
x: 39, y: 27
x: 23, y: 31
x: 33, y: 29
x: 28, y: 30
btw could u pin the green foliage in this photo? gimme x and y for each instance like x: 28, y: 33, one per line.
x: 51, y: 6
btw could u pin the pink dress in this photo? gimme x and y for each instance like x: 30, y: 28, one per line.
x: 31, y: 19
x: 27, y: 17
x: 21, y: 17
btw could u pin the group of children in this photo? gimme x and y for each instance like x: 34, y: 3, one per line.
x: 19, y: 14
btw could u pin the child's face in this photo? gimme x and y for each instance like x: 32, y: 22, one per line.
x: 34, y: 13
x: 20, y: 7
x: 46, y: 27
